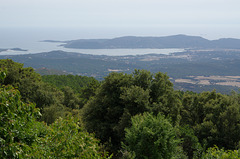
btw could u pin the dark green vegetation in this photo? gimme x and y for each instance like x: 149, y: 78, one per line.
x: 76, y: 83
x: 180, y: 65
x: 136, y: 115
x: 23, y: 136
x: 46, y: 71
x: 175, y: 41
x: 54, y: 99
x: 121, y: 96
x: 151, y: 137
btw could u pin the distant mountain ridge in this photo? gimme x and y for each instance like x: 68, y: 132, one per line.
x: 174, y: 41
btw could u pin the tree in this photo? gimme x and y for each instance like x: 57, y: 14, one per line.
x: 189, y: 142
x: 215, y: 152
x: 17, y: 126
x: 53, y: 102
x: 22, y: 136
x: 102, y: 112
x: 214, y: 117
x: 70, y: 98
x: 163, y: 97
x: 151, y: 137
x: 135, y: 100
x: 89, y: 91
x: 25, y: 79
x: 65, y: 138
x: 76, y: 83
x: 121, y: 96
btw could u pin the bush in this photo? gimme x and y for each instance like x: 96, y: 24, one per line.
x: 22, y: 136
x: 66, y: 139
x: 17, y: 126
x: 151, y: 137
x: 216, y: 153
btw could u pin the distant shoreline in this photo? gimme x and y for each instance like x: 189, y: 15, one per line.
x: 13, y: 49
x: 165, y: 42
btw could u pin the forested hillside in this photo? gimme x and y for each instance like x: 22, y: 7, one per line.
x: 77, y: 83
x: 137, y: 115
x: 192, y: 70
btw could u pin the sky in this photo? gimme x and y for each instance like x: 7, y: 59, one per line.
x: 211, y: 19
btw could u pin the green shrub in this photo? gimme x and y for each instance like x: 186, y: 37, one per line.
x: 151, y: 137
x: 22, y: 136
x: 66, y: 139
x: 216, y: 153
x: 17, y: 123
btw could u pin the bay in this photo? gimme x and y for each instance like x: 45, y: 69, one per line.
x: 30, y: 40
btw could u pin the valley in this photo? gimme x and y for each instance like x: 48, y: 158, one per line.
x: 193, y: 69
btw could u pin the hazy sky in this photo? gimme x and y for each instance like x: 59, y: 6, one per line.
x: 209, y: 18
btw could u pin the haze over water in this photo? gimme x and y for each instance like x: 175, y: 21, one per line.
x: 25, y: 22
x: 31, y: 39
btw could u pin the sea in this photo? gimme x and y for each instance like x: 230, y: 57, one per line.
x: 32, y: 40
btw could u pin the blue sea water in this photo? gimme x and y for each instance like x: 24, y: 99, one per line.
x: 30, y: 39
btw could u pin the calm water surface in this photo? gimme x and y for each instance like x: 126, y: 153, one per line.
x: 30, y: 39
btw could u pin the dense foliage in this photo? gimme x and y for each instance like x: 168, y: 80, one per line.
x: 74, y: 82
x: 22, y: 136
x: 53, y: 101
x: 66, y: 139
x: 121, y: 96
x: 136, y: 115
x: 214, y: 117
x: 151, y: 137
x: 17, y: 124
x: 217, y: 153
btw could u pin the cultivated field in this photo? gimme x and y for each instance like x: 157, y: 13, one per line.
x: 211, y: 80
